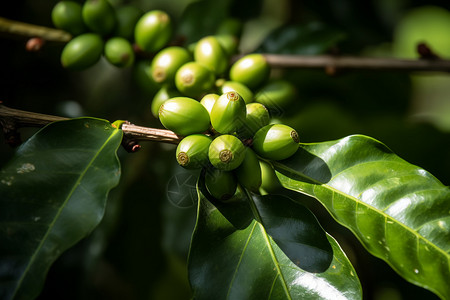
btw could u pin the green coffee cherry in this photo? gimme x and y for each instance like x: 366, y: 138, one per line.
x: 228, y: 42
x: 209, y: 52
x: 276, y: 141
x: 241, y: 89
x: 82, y: 51
x: 208, y: 101
x: 166, y: 63
x: 194, y: 80
x: 119, y: 52
x: 257, y: 117
x: 192, y: 151
x: 226, y: 152
x: 220, y: 184
x: 228, y: 113
x: 143, y: 79
x: 248, y: 173
x: 127, y: 17
x: 99, y: 16
x: 165, y: 93
x: 184, y: 116
x: 251, y: 70
x: 66, y: 15
x: 269, y: 180
x: 277, y: 95
x: 153, y: 30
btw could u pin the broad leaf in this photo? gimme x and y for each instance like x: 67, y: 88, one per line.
x: 265, y: 247
x: 399, y: 212
x: 52, y: 194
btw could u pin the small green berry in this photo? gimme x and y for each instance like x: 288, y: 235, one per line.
x: 241, y: 89
x: 99, y: 16
x: 209, y: 52
x: 248, y: 173
x: 275, y: 141
x: 166, y: 63
x: 192, y: 151
x: 165, y: 93
x: 228, y: 113
x: 153, y: 30
x: 277, y: 95
x: 226, y: 152
x: 220, y: 184
x: 208, y: 101
x: 194, y: 79
x: 127, y: 17
x: 66, y: 15
x: 251, y: 70
x: 82, y: 51
x: 257, y: 117
x: 119, y: 52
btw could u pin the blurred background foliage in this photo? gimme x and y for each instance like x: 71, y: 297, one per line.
x: 141, y: 247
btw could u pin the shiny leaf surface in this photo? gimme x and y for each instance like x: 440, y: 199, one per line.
x: 52, y: 194
x: 399, y: 212
x: 265, y: 247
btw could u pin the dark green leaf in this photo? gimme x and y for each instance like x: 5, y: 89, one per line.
x: 250, y: 248
x: 52, y: 194
x: 399, y: 212
x: 311, y: 39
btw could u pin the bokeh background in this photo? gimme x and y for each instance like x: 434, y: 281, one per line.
x: 139, y: 251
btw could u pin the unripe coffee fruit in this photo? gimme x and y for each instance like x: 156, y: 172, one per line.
x: 153, y: 30
x: 166, y: 63
x: 119, y: 52
x: 194, y: 79
x: 82, y: 51
x: 277, y: 95
x: 164, y: 93
x: 209, y: 52
x: 220, y: 184
x: 99, y: 16
x: 127, y: 17
x: 275, y: 141
x: 228, y: 113
x: 192, y: 151
x: 257, y: 117
x: 241, y: 89
x: 251, y: 70
x: 248, y: 173
x: 226, y: 152
x: 208, y: 101
x: 184, y: 116
x: 66, y: 15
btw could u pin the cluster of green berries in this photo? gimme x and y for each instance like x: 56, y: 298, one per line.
x: 101, y: 29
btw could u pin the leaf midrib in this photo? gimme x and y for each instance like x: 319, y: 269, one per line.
x: 50, y: 228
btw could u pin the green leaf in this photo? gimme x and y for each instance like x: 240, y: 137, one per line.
x: 252, y: 247
x: 52, y: 194
x: 399, y: 212
x: 310, y: 39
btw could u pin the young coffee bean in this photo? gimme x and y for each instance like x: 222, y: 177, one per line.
x: 275, y: 141
x: 251, y: 70
x: 277, y: 95
x: 66, y: 15
x: 220, y: 184
x: 99, y: 16
x: 269, y: 180
x: 208, y: 101
x: 257, y: 117
x: 166, y: 63
x: 248, y: 173
x: 184, y: 116
x: 192, y: 151
x: 82, y: 51
x: 228, y: 113
x: 119, y: 52
x: 226, y: 152
x: 229, y: 43
x: 194, y: 79
x: 165, y: 93
x: 241, y: 89
x: 127, y: 17
x: 209, y: 52
x: 153, y: 30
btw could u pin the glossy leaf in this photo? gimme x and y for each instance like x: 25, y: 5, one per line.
x: 52, y: 194
x: 399, y: 212
x: 265, y: 247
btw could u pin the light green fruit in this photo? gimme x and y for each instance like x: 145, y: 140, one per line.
x: 127, y: 17
x: 228, y: 113
x: 153, y: 30
x: 270, y: 184
x: 257, y: 117
x: 208, y: 101
x: 119, y: 52
x: 184, y: 116
x: 226, y: 152
x: 220, y: 184
x: 229, y: 43
x: 277, y: 95
x: 251, y: 70
x: 143, y: 79
x: 166, y: 63
x: 209, y: 52
x: 82, y: 51
x: 275, y: 141
x: 66, y: 15
x: 99, y: 16
x: 193, y: 79
x: 165, y: 93
x: 248, y: 173
x: 192, y: 151
x: 241, y: 89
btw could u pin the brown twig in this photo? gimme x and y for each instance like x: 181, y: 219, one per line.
x: 13, y: 119
x: 15, y: 28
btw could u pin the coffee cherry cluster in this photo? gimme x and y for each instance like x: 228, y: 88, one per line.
x: 101, y: 29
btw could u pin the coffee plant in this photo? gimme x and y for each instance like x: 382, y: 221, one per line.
x: 256, y: 176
